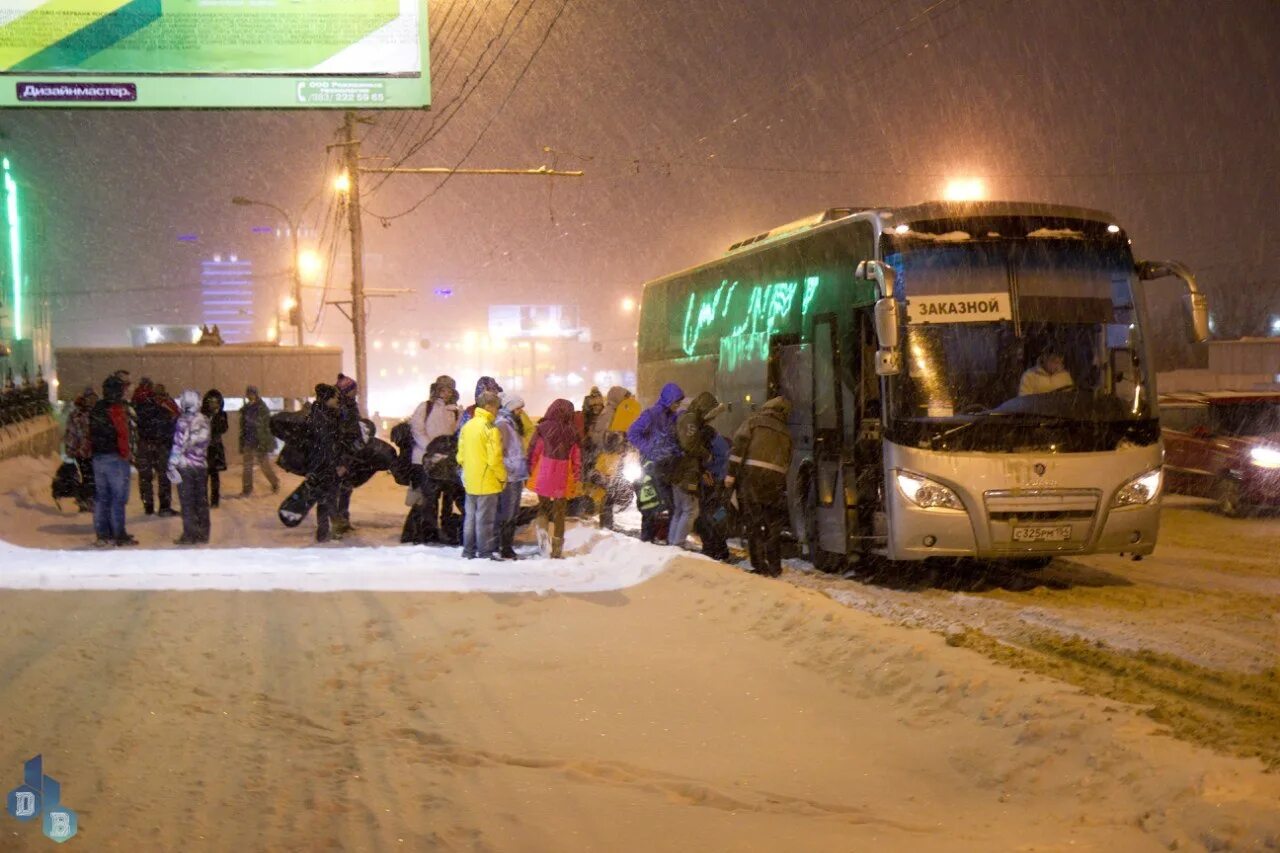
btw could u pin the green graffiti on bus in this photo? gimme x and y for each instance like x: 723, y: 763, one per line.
x: 746, y: 319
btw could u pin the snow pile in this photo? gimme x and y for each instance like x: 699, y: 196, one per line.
x: 595, y: 561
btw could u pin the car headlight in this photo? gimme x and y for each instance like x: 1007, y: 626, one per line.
x: 1140, y: 490
x: 1265, y: 457
x: 927, y: 494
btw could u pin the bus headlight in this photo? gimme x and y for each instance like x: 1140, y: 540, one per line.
x: 1140, y: 490
x: 925, y: 493
x: 1265, y: 457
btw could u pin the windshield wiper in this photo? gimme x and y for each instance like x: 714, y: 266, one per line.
x: 983, y: 417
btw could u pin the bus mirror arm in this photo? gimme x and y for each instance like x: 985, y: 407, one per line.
x: 887, y: 316
x: 1194, y: 303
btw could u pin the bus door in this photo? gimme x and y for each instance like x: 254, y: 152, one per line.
x: 831, y: 517
x: 790, y: 365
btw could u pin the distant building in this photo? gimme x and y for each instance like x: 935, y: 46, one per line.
x: 227, y: 297
x: 25, y: 334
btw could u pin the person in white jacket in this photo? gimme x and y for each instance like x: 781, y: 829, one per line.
x: 1048, y: 374
x: 430, y: 506
x: 189, y: 469
x: 434, y: 417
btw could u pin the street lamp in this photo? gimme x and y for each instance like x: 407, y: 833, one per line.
x: 295, y: 313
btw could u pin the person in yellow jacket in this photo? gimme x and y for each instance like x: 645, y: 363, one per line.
x: 484, y: 475
x: 607, y: 445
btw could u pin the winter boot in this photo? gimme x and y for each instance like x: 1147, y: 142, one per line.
x: 507, y: 541
x: 544, y: 536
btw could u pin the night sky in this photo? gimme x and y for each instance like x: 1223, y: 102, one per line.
x: 698, y: 124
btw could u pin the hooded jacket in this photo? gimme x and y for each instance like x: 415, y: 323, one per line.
x: 77, y: 440
x: 654, y: 433
x: 555, y: 457
x: 604, y: 424
x: 255, y: 426
x: 483, y: 384
x: 761, y: 454
x: 513, y: 457
x: 191, y: 435
x: 480, y: 455
x: 695, y: 446
x: 432, y: 419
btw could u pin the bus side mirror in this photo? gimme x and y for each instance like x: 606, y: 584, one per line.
x: 889, y: 359
x: 1195, y: 305
x: 887, y: 316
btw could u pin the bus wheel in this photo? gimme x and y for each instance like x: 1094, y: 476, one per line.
x: 1226, y: 494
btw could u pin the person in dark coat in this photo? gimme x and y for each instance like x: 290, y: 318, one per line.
x: 713, y: 521
x: 690, y: 469
x: 113, y: 435
x: 256, y: 441
x: 157, y: 416
x: 211, y: 406
x: 79, y: 445
x: 758, y: 465
x: 653, y: 435
x: 349, y: 413
x: 329, y: 458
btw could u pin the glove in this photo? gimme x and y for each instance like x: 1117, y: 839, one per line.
x: 174, y: 476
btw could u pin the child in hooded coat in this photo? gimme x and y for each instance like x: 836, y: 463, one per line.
x: 555, y: 466
x: 213, y: 408
x: 189, y: 469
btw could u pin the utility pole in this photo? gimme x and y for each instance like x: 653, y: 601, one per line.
x: 351, y: 146
x: 358, y: 316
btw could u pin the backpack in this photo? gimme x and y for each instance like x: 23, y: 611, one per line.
x: 445, y: 467
x: 66, y: 482
x: 402, y: 467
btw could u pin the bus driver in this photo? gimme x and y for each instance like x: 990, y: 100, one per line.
x: 1049, y: 373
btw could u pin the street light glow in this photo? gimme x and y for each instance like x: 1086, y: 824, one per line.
x: 309, y: 264
x: 965, y: 189
x: 342, y: 183
x: 288, y: 304
x: 628, y: 304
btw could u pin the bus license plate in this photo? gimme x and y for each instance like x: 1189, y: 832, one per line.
x: 1041, y: 534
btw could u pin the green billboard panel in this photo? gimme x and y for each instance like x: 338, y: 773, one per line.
x: 214, y: 53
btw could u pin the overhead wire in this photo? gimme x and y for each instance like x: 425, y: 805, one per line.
x: 455, y: 105
x: 483, y: 130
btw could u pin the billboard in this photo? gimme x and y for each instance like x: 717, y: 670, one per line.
x: 342, y: 54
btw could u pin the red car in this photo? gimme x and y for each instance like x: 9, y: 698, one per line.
x: 1223, y: 445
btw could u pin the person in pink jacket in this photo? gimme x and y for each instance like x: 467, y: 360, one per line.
x: 555, y: 465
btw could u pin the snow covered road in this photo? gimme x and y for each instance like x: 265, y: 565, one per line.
x: 682, y: 704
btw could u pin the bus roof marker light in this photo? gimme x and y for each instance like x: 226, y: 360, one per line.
x: 901, y: 229
x: 964, y: 189
x: 1113, y: 229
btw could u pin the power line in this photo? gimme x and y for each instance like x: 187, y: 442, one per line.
x: 455, y: 105
x: 501, y: 106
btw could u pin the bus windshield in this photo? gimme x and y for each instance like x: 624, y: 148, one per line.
x: 1038, y: 334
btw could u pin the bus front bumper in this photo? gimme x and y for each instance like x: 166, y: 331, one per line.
x: 1018, y: 506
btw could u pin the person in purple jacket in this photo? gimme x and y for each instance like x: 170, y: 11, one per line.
x: 189, y: 469
x: 653, y: 435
